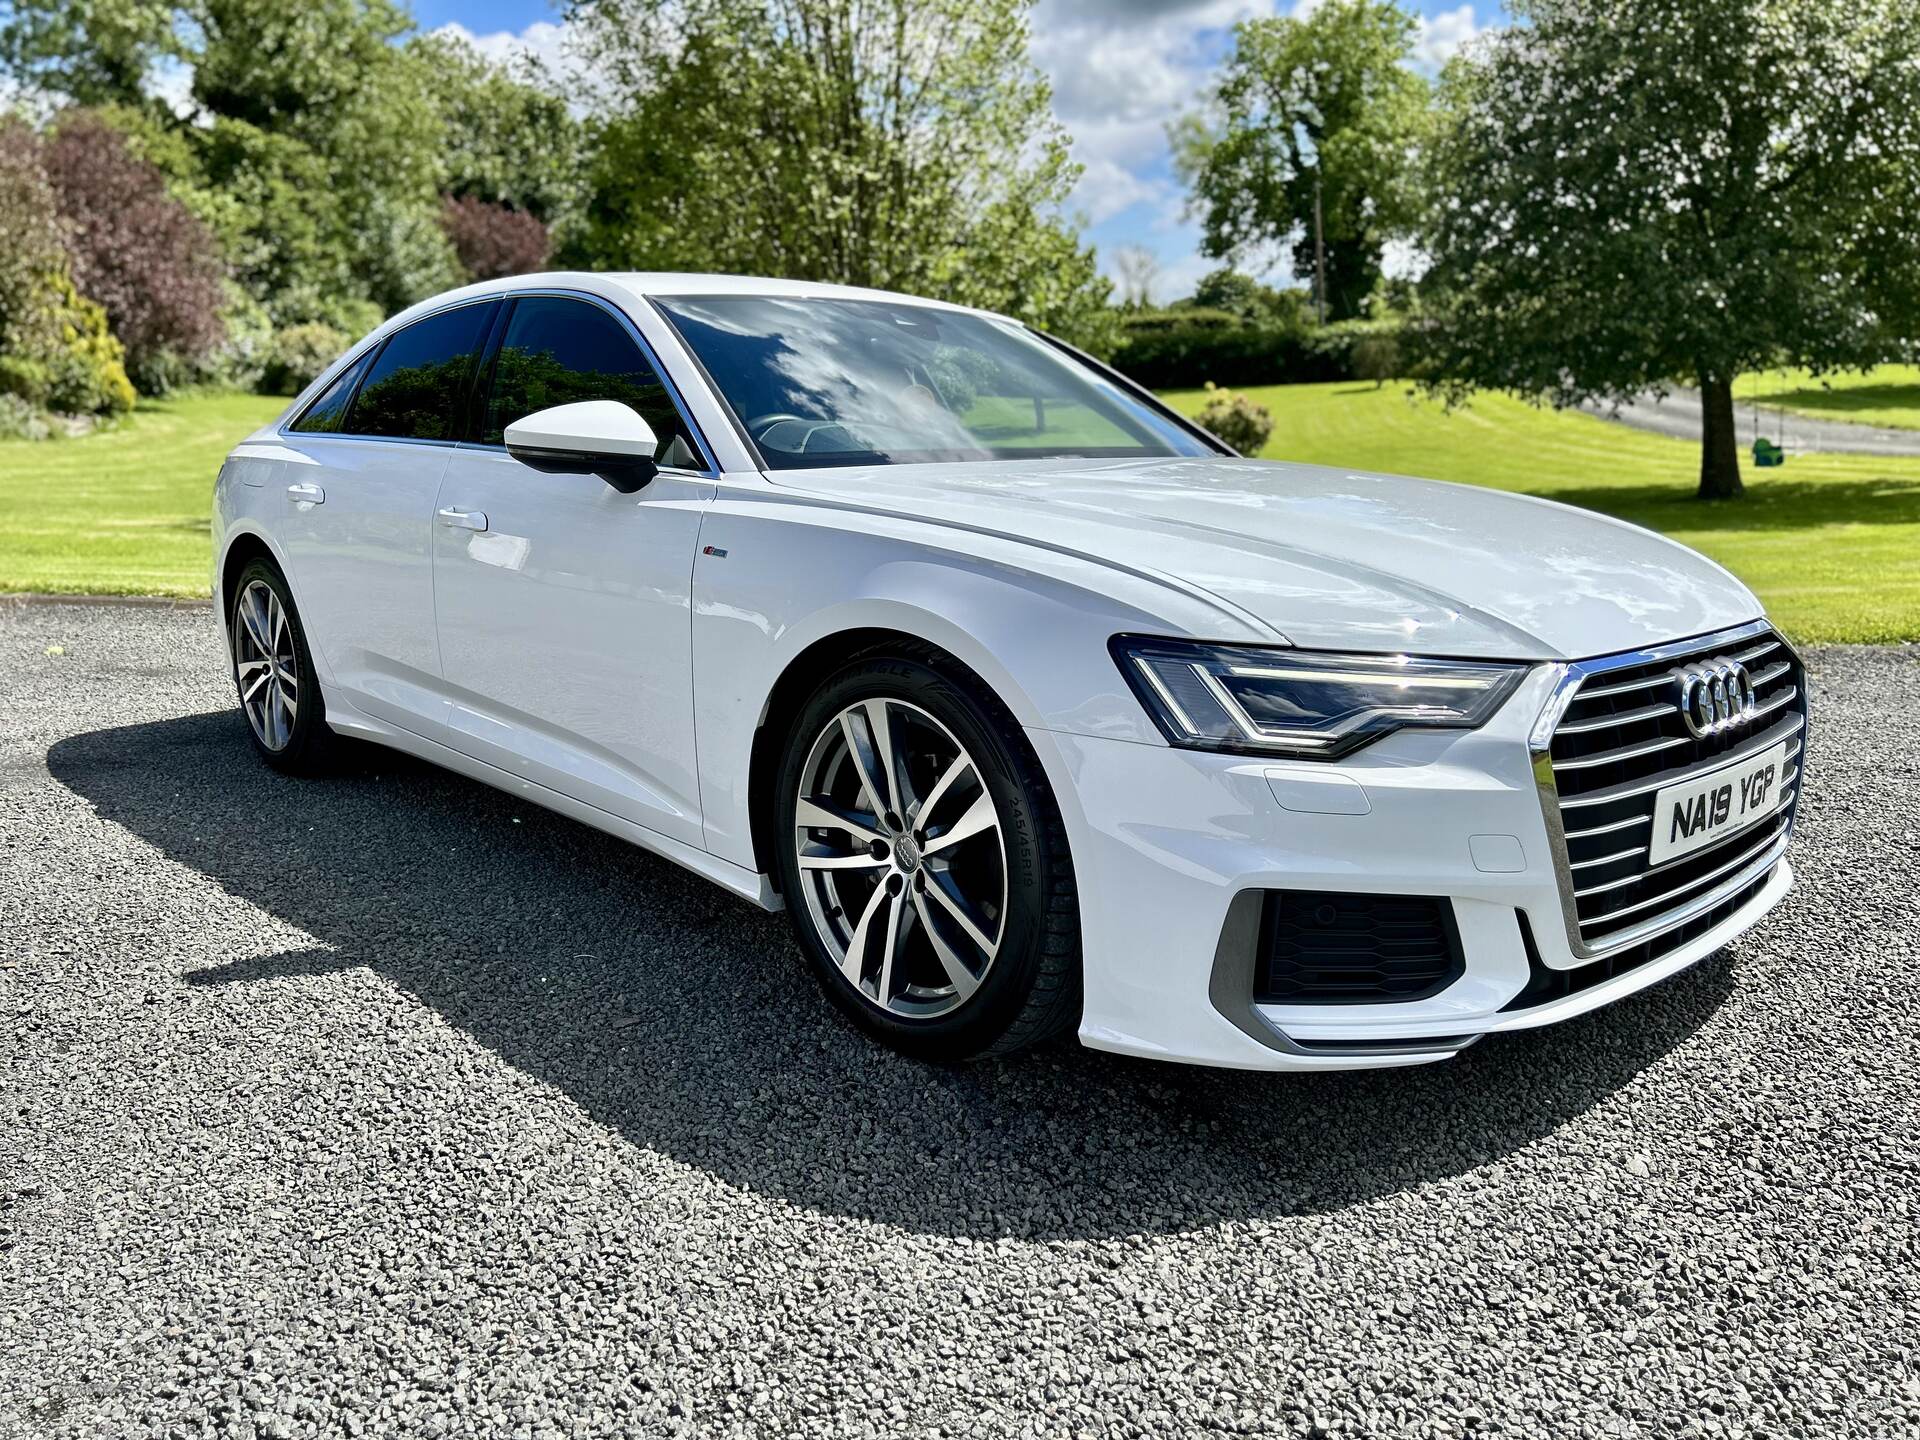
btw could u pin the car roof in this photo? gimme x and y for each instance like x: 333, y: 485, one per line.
x: 640, y: 285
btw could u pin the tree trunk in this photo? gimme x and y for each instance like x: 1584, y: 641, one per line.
x: 1719, y: 442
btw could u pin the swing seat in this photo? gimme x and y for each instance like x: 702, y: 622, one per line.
x: 1766, y: 454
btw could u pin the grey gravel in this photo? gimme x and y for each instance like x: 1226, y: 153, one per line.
x: 388, y: 1104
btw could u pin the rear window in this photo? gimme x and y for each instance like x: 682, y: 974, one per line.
x: 414, y: 387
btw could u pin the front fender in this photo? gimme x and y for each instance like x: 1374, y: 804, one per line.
x: 773, y: 580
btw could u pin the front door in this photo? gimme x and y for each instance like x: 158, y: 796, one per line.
x: 563, y: 605
x: 364, y: 464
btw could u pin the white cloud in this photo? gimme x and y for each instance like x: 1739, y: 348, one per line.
x: 545, y: 44
x: 1120, y: 71
x: 171, y: 83
x: 1108, y: 188
x: 1443, y: 34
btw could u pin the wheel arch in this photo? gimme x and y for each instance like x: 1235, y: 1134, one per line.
x: 804, y: 673
x: 243, y: 549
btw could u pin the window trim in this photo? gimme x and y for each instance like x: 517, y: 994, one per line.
x: 370, y: 348
x: 483, y: 376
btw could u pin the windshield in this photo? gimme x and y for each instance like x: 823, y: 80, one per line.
x: 873, y: 382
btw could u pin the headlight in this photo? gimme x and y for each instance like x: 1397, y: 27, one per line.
x: 1304, y: 703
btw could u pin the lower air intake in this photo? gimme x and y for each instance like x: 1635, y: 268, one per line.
x: 1327, y: 947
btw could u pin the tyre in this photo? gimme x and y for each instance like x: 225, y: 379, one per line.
x: 924, y: 863
x: 273, y: 673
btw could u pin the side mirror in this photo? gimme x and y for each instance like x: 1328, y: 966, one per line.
x: 591, y: 437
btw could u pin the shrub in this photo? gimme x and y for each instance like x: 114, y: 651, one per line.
x: 1242, y: 422
x: 87, y: 374
x: 494, y: 240
x: 1178, y: 349
x: 20, y: 420
x: 1177, y: 356
x: 1185, y: 317
x: 136, y: 250
x: 56, y: 349
x: 1376, y: 358
x: 299, y: 353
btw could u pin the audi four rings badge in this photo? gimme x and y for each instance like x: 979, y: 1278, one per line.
x: 1716, y: 696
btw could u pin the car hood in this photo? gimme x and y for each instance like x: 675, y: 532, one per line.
x: 1332, y: 558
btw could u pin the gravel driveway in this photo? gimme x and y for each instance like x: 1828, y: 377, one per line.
x: 388, y: 1104
x: 1678, y: 414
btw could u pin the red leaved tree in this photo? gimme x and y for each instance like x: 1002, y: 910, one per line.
x: 494, y: 240
x: 136, y: 249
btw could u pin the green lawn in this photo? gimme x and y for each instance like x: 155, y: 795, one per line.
x: 125, y: 511
x: 1831, y: 543
x: 1888, y: 395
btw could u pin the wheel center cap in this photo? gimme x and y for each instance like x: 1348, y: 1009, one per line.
x: 906, y: 854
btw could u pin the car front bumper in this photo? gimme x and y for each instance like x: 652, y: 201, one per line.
x: 1174, y: 848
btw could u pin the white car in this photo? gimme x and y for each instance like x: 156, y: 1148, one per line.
x: 1032, y: 703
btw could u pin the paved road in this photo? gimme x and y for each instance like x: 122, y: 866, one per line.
x: 385, y: 1104
x: 1678, y: 414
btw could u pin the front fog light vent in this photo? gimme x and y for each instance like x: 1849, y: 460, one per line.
x: 1328, y: 947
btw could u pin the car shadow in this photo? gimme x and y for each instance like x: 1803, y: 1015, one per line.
x: 683, y: 1019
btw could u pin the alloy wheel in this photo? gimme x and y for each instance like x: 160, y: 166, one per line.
x: 901, y: 858
x: 265, y: 666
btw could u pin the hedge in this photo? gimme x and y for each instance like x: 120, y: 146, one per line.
x: 1183, y: 350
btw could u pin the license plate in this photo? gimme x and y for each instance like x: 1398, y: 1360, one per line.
x: 1695, y: 813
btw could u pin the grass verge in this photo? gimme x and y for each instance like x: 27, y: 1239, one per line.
x: 124, y: 511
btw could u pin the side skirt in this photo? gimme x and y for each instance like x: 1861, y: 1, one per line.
x: 747, y: 884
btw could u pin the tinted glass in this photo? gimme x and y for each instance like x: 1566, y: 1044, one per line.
x: 325, y: 415
x: 556, y: 352
x: 418, y: 379
x: 863, y: 382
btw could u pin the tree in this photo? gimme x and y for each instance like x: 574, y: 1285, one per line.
x: 1238, y: 293
x: 1320, y: 111
x: 333, y: 98
x: 510, y: 140
x: 94, y: 52
x: 1139, y: 267
x: 907, y: 144
x: 136, y: 249
x: 330, y: 75
x: 1631, y: 191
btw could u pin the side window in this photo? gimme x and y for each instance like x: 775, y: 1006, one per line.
x: 558, y: 351
x: 416, y: 382
x: 326, y: 415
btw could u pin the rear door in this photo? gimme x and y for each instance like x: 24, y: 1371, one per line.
x: 364, y: 464
x: 563, y: 605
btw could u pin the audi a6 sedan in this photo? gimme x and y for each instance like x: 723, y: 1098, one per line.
x: 1032, y: 703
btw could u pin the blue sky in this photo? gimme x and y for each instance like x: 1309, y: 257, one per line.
x: 1120, y: 70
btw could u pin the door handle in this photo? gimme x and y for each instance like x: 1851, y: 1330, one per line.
x: 464, y: 519
x: 311, y: 494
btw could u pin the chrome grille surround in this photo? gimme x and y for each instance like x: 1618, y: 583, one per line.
x: 1609, y: 737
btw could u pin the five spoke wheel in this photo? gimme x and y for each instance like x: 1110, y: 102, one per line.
x: 265, y: 665
x: 901, y: 858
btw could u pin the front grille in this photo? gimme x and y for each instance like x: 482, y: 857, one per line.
x: 1620, y: 740
x: 1322, y: 947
